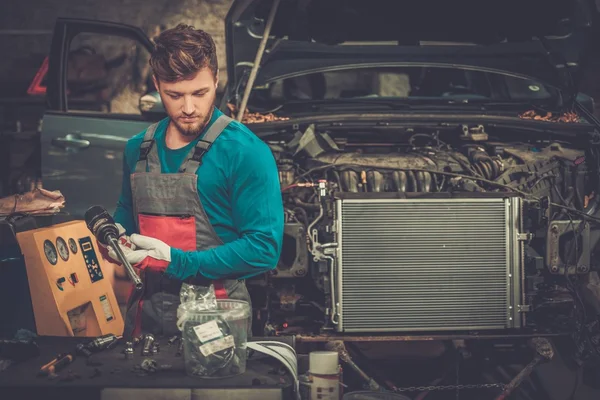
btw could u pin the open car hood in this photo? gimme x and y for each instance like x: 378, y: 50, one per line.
x: 546, y: 41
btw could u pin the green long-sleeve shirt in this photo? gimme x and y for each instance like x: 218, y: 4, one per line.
x: 240, y: 191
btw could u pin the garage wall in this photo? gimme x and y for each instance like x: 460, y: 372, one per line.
x: 26, y: 28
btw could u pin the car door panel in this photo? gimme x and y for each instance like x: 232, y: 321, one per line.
x: 85, y: 175
x: 82, y: 150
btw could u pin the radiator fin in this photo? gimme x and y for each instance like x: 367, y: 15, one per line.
x: 410, y: 265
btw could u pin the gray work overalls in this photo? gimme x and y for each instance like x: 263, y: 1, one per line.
x: 168, y: 207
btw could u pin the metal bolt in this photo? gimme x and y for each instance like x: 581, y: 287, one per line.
x: 300, y: 272
x: 554, y: 228
x: 128, y: 351
x: 554, y: 268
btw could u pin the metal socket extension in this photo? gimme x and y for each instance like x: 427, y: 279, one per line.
x: 148, y: 344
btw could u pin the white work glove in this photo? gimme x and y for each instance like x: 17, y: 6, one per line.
x: 148, y: 247
x: 124, y: 243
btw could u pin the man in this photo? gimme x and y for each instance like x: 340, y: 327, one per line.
x: 200, y: 197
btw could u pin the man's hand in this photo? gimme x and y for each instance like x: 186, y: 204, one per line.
x: 108, y: 252
x: 148, y: 247
x: 151, y: 248
x: 126, y: 247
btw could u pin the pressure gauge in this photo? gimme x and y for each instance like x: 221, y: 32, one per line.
x: 63, y: 250
x: 73, y: 246
x: 50, y: 252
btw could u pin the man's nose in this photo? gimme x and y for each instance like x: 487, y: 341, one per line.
x: 188, y: 105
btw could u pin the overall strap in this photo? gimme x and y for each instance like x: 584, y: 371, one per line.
x: 194, y: 160
x: 145, y: 148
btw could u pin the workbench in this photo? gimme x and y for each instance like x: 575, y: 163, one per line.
x: 108, y: 375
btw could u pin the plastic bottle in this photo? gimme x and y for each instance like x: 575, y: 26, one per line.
x: 323, y: 380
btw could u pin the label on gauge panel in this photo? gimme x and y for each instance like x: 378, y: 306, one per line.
x: 108, y: 313
x: 90, y: 258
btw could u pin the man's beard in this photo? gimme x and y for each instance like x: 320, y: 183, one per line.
x: 193, y: 130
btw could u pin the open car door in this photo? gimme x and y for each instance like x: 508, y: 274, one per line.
x: 97, y: 74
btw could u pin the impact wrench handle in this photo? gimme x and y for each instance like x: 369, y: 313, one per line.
x: 103, y: 227
x: 113, y: 242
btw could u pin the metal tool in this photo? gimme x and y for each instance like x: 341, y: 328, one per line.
x: 59, y: 362
x: 128, y: 351
x: 102, y: 225
x: 148, y: 344
x: 104, y: 342
x: 82, y: 350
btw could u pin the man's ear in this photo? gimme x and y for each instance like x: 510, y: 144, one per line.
x: 155, y: 81
x: 217, y: 79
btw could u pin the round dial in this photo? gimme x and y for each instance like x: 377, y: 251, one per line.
x: 63, y: 250
x: 50, y: 252
x: 72, y: 245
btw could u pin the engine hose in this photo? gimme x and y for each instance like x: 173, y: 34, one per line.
x: 336, y: 174
x: 310, y: 206
x: 302, y: 211
x: 484, y: 165
x: 488, y: 168
x: 482, y: 169
x: 496, y: 166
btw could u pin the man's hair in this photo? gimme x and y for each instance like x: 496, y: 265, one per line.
x: 180, y: 52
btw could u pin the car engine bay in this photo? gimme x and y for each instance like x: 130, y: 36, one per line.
x: 468, y: 230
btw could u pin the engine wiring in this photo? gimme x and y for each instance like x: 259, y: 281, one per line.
x: 525, y: 195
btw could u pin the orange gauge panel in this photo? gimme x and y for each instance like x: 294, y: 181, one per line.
x: 71, y: 289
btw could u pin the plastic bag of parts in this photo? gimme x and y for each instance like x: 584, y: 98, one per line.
x: 214, y: 341
x: 199, y: 297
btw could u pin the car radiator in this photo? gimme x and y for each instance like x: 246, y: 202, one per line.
x: 428, y: 264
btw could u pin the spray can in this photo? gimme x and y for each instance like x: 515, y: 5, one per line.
x: 323, y: 380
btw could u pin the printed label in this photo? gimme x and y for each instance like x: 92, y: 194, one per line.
x: 208, y: 331
x: 325, y: 389
x: 108, y: 314
x: 217, y: 345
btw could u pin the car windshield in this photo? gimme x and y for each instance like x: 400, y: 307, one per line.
x: 419, y: 83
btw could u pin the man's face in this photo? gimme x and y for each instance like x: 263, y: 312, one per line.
x: 189, y: 103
